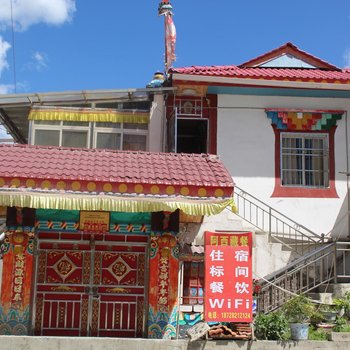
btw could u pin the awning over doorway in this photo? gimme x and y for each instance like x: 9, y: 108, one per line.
x: 48, y: 177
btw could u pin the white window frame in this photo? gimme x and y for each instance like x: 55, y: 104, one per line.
x: 60, y: 127
x: 92, y: 130
x: 118, y: 130
x: 189, y: 107
x: 304, y: 154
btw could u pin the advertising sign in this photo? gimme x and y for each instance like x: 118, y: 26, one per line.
x: 228, y: 277
x: 94, y: 221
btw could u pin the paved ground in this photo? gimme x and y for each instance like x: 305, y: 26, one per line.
x: 64, y: 343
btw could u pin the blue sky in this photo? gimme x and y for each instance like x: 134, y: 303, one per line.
x: 110, y: 44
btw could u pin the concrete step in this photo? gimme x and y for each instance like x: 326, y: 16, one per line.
x: 324, y: 298
x: 268, y: 257
x: 337, y: 289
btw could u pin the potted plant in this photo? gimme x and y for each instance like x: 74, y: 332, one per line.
x: 329, y: 312
x: 271, y: 326
x: 298, y: 312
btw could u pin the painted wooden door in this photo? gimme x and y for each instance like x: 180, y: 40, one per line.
x: 94, y: 286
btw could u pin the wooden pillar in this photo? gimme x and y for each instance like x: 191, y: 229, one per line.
x: 16, y: 285
x: 163, y: 286
x: 17, y: 273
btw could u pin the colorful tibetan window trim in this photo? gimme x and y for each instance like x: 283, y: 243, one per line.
x: 304, y: 120
x: 88, y: 115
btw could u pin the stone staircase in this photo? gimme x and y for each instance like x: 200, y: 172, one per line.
x: 273, y: 255
x: 291, y: 259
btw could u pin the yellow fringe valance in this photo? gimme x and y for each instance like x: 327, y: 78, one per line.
x: 114, y: 203
x: 88, y: 115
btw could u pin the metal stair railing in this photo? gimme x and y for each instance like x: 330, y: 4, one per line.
x: 279, y: 227
x: 329, y: 263
x: 318, y: 263
x: 301, y: 276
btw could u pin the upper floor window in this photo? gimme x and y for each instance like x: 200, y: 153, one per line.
x: 192, y: 124
x: 89, y: 128
x: 304, y: 160
x: 118, y: 136
x: 304, y: 152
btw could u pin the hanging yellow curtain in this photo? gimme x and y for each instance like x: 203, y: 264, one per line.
x: 41, y: 200
x: 88, y: 115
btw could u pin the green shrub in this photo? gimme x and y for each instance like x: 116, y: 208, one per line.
x: 299, y: 309
x: 343, y: 303
x: 272, y: 326
x: 341, y: 325
x: 318, y: 334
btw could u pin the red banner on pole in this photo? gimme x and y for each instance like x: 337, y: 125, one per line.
x: 228, y: 277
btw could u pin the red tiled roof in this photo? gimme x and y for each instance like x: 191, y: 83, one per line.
x: 291, y: 74
x: 65, y: 165
x: 249, y: 70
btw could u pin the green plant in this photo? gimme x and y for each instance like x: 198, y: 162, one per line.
x: 341, y: 325
x: 328, y: 311
x: 272, y: 326
x: 318, y: 334
x: 327, y: 308
x: 316, y: 317
x: 343, y: 302
x: 299, y: 309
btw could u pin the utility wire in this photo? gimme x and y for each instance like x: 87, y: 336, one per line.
x: 13, y: 49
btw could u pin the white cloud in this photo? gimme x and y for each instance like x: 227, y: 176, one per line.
x: 346, y: 57
x: 4, y: 46
x: 38, y: 61
x: 30, y: 12
x: 6, y: 89
x: 26, y: 13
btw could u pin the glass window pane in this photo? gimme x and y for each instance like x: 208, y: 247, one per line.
x: 140, y: 105
x: 73, y: 123
x: 134, y: 142
x: 305, y: 160
x: 110, y: 105
x: 74, y: 139
x: 47, y: 122
x: 107, y: 125
x: 108, y: 140
x: 135, y: 126
x: 47, y: 137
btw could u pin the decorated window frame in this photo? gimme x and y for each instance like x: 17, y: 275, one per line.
x: 306, y: 126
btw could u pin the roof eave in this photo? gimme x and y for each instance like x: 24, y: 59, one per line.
x: 218, y: 80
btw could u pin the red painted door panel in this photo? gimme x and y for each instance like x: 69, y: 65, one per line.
x: 92, y: 288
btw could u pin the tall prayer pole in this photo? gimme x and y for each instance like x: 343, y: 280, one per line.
x: 165, y: 9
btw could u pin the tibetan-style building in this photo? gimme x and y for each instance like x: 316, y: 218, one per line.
x: 91, y: 245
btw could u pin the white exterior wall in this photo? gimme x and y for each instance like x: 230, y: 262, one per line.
x: 246, y: 145
x: 156, y: 127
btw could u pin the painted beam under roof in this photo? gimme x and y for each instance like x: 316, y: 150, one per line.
x: 264, y: 91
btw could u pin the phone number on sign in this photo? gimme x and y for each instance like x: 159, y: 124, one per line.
x: 234, y: 315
